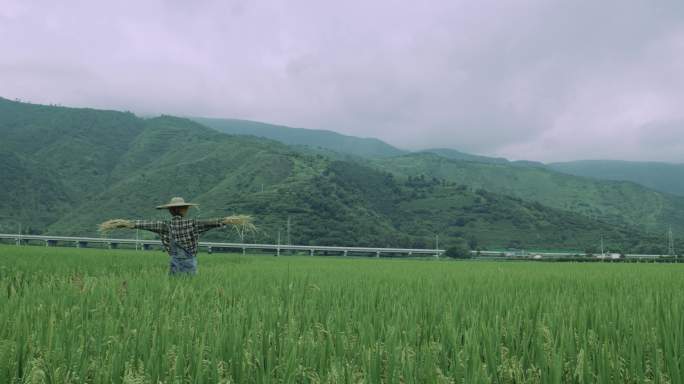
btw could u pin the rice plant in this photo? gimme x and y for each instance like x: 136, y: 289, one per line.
x: 107, y: 316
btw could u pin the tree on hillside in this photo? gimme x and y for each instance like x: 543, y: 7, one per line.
x: 458, y: 251
x: 472, y: 243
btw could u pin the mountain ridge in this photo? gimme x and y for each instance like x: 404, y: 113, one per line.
x: 352, y: 145
x: 660, y: 176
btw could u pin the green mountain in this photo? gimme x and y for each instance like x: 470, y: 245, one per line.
x: 611, y: 201
x: 315, y: 138
x: 29, y: 194
x: 65, y: 170
x: 53, y: 157
x: 664, y: 177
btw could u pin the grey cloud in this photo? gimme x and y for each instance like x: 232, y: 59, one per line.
x: 545, y: 80
x: 663, y: 136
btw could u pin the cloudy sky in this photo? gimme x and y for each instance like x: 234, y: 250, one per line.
x: 527, y: 79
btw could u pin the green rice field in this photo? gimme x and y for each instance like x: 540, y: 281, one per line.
x: 105, y: 316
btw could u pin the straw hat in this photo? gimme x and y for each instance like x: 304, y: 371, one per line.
x: 177, y: 202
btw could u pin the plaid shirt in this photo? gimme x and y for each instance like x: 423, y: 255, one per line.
x: 185, y: 232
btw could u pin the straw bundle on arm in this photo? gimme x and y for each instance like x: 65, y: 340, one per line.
x: 116, y: 224
x: 244, y: 222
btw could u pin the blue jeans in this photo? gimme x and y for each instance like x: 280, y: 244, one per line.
x: 182, y: 261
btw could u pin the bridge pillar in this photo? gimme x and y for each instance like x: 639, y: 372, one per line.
x: 345, y: 252
x: 377, y: 254
x: 278, y: 251
x: 209, y: 250
x: 311, y: 252
x: 244, y: 250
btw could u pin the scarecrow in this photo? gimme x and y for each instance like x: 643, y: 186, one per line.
x: 180, y: 235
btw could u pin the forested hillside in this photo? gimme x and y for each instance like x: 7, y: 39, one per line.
x: 65, y: 170
x: 611, y: 201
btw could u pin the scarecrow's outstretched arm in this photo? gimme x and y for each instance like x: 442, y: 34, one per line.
x: 207, y: 224
x: 152, y: 226
x: 155, y: 226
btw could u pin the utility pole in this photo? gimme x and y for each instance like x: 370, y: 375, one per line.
x: 289, y: 242
x: 670, y: 243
